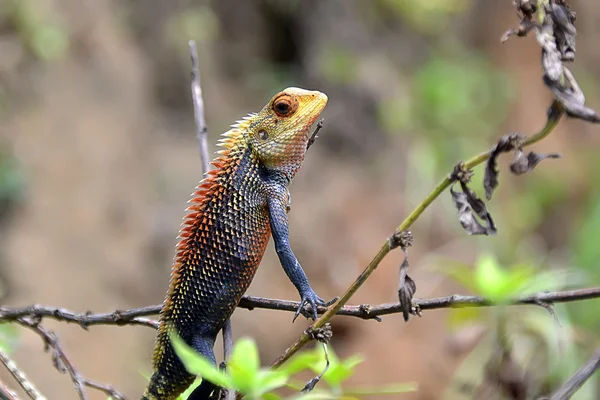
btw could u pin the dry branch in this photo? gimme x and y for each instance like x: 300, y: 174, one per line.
x: 364, y: 311
x: 20, y: 377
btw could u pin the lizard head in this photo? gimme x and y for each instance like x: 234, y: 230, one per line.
x: 279, y: 133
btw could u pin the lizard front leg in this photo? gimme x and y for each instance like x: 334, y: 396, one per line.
x: 289, y: 262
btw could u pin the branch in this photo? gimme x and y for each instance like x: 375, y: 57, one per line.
x: 201, y: 135
x: 580, y: 377
x: 363, y: 311
x: 551, y: 123
x: 198, y: 107
x: 20, y: 377
x: 64, y: 365
x: 84, y: 320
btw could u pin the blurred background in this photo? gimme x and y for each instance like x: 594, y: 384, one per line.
x: 98, y: 156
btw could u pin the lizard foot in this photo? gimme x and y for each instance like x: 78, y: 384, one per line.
x: 311, y: 299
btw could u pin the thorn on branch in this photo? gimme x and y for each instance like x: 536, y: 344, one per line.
x: 365, y: 310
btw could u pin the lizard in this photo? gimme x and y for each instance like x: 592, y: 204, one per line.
x: 235, y: 209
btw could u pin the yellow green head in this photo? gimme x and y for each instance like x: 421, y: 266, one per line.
x: 278, y: 134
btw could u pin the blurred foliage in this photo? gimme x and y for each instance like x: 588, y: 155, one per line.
x: 245, y: 375
x: 586, y: 255
x: 338, y: 65
x: 9, y: 337
x: 38, y: 28
x: 542, y: 352
x: 199, y: 23
x: 12, y: 183
x: 428, y: 17
x: 458, y: 99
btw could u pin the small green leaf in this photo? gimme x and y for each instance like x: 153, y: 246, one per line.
x: 270, y: 380
x: 196, y: 364
x: 490, y: 278
x: 244, y: 366
x: 302, y: 361
x: 338, y: 370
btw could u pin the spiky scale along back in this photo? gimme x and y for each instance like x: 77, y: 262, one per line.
x: 226, y: 230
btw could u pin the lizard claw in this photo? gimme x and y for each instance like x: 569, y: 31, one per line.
x: 314, y: 301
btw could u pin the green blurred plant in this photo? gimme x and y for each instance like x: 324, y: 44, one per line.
x: 429, y: 16
x: 9, y: 337
x: 539, y: 351
x: 244, y: 374
x: 12, y: 183
x: 38, y: 29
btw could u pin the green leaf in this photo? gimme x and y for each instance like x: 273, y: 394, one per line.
x: 302, y: 361
x: 497, y: 283
x: 196, y: 364
x: 338, y: 371
x: 244, y: 366
x: 270, y: 380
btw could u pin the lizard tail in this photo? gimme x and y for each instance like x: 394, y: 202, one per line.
x: 155, y: 391
x: 203, y: 391
x: 161, y: 388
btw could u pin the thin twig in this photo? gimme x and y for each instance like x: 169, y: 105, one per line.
x: 581, y: 376
x: 198, y: 107
x: 227, y: 351
x: 63, y: 363
x: 6, y: 393
x: 20, y: 377
x: 201, y: 135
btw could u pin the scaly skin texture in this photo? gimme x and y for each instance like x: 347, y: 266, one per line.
x: 235, y: 209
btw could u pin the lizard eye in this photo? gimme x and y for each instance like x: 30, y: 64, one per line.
x: 263, y: 135
x: 285, y: 105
